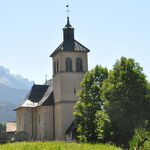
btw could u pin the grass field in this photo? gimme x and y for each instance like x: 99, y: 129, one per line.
x: 55, y: 146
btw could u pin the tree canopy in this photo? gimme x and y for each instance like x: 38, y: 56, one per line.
x: 125, y: 92
x: 89, y: 103
x: 111, y: 105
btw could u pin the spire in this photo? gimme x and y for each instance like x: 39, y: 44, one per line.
x: 68, y: 31
x: 68, y: 34
x: 68, y: 23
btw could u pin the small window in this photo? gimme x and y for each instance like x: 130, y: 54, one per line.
x: 68, y: 65
x: 75, y: 90
x: 79, y: 65
x: 57, y: 66
x: 54, y: 67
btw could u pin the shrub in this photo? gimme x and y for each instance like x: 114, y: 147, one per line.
x: 22, y: 136
x: 140, y: 135
x: 3, y: 138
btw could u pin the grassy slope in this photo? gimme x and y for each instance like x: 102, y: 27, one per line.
x: 55, y: 146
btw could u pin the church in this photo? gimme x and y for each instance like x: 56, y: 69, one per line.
x: 47, y: 111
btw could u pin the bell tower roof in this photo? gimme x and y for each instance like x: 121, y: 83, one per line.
x: 68, y: 32
x: 69, y: 43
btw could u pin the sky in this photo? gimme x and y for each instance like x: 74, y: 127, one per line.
x: 30, y: 30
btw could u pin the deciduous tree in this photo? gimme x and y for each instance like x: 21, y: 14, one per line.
x: 126, y: 95
x: 89, y: 103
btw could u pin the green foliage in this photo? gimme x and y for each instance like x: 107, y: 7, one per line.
x: 126, y: 99
x: 2, y: 128
x: 112, y: 105
x: 56, y: 146
x: 89, y: 103
x: 22, y: 136
x: 103, y: 126
x: 3, y: 136
x: 139, y: 135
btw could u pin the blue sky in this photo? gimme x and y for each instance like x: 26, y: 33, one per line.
x: 30, y: 30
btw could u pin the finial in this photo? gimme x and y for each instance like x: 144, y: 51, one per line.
x: 68, y: 22
x: 67, y: 6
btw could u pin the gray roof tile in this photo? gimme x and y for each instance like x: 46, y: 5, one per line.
x: 39, y: 95
x: 78, y: 47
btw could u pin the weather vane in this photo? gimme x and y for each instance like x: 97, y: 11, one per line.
x: 67, y: 6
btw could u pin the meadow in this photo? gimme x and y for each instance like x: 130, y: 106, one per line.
x: 56, y: 146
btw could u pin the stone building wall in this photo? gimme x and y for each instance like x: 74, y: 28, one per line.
x: 20, y: 119
x: 48, y: 123
x: 34, y: 124
x: 45, y: 123
x: 40, y: 120
x: 57, y: 121
x: 66, y: 84
x: 63, y: 118
x: 24, y: 120
x: 28, y: 121
x: 65, y: 87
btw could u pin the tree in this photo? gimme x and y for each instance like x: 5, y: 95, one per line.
x: 89, y: 103
x: 3, y: 137
x: 103, y: 126
x: 2, y: 128
x: 126, y: 99
x: 141, y: 137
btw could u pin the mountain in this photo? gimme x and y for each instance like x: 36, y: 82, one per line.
x: 13, y: 89
x: 13, y: 81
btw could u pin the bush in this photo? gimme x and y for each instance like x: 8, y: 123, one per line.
x: 140, y: 135
x: 22, y: 136
x: 3, y: 138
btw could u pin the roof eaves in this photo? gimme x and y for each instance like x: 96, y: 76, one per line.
x: 57, y: 49
x: 79, y: 45
x: 47, y: 94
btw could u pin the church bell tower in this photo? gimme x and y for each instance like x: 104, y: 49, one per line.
x: 69, y: 66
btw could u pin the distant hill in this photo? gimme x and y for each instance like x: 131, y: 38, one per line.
x: 13, y: 89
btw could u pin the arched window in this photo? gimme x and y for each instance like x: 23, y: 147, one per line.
x: 68, y: 65
x: 57, y: 66
x: 79, y: 65
x: 54, y: 67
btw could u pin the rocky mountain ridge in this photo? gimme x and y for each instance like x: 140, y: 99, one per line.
x: 13, y: 89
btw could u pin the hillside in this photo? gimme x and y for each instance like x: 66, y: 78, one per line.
x: 13, y: 89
